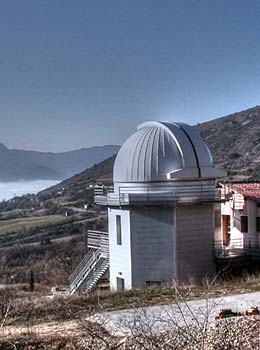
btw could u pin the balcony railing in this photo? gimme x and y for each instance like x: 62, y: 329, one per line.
x: 163, y: 195
x: 98, y: 240
x: 238, y: 246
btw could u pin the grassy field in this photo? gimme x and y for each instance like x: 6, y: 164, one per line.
x: 16, y: 224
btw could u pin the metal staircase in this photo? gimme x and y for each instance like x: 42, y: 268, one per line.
x: 93, y: 265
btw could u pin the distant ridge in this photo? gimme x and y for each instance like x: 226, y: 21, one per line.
x: 234, y: 141
x: 3, y: 148
x: 31, y: 165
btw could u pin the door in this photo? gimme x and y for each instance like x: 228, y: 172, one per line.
x: 120, y: 282
x: 226, y: 229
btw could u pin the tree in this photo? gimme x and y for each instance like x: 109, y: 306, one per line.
x: 32, y: 281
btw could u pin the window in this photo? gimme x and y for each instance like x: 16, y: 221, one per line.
x: 257, y: 224
x: 244, y: 223
x: 120, y: 283
x: 153, y: 283
x: 118, y: 230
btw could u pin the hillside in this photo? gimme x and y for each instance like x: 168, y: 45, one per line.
x: 77, y: 190
x: 32, y: 165
x: 234, y: 141
x: 34, y: 230
x: 70, y: 193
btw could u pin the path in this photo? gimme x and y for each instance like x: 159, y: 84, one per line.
x: 158, y: 318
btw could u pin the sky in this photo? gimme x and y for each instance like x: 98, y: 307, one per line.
x: 81, y: 73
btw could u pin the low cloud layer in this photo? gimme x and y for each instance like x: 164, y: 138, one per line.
x: 11, y: 189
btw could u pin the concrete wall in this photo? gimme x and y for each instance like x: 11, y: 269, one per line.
x: 152, y: 245
x: 120, y: 255
x: 161, y: 244
x: 195, y: 242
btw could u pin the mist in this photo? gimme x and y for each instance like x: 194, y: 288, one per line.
x: 11, y: 189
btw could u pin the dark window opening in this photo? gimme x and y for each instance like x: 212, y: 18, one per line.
x: 153, y: 283
x: 244, y: 223
x: 118, y: 230
x: 120, y: 283
x: 257, y: 224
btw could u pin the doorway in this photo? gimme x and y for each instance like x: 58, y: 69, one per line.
x: 226, y: 233
x: 120, y: 284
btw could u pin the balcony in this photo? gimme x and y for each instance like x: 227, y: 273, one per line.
x: 160, y: 196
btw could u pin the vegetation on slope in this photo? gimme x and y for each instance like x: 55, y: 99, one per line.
x: 234, y: 141
x: 34, y: 232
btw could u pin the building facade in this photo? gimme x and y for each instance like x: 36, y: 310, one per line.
x: 161, y: 213
x: 240, y: 215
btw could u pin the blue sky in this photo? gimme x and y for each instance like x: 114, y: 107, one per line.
x: 81, y: 73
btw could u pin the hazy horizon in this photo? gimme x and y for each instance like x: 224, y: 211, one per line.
x: 101, y: 145
x: 44, y: 151
x: 11, y: 189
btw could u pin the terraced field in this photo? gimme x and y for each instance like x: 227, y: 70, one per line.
x: 24, y: 223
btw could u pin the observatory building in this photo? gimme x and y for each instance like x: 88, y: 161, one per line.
x: 161, y: 213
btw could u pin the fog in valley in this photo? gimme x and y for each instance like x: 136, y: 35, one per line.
x: 11, y: 189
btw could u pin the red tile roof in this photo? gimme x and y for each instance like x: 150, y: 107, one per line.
x: 251, y: 189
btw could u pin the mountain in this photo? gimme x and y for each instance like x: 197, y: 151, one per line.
x: 78, y: 189
x: 3, y: 148
x: 234, y: 141
x: 31, y: 165
x: 73, y: 192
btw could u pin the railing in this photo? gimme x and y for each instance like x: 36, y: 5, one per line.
x: 98, y: 243
x: 84, y: 268
x: 103, y: 190
x: 86, y: 261
x: 238, y: 246
x: 185, y: 195
x: 98, y: 240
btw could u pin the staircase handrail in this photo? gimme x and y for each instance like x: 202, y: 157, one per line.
x: 91, y: 263
x: 84, y: 262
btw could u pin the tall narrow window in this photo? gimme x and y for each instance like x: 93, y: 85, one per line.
x: 257, y: 224
x: 118, y: 230
x: 244, y: 224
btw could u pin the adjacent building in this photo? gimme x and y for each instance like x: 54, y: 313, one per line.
x: 240, y: 215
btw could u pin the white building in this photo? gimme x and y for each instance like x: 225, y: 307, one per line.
x: 161, y: 217
x: 240, y: 215
x: 160, y: 214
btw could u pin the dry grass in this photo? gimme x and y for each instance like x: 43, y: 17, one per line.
x: 38, y: 307
x: 40, y: 322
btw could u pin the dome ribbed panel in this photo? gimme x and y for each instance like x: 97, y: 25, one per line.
x: 169, y: 155
x: 157, y: 149
x: 202, y: 150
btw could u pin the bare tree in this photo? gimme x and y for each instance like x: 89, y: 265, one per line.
x: 7, y: 296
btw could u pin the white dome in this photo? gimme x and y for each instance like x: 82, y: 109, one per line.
x: 163, y: 151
